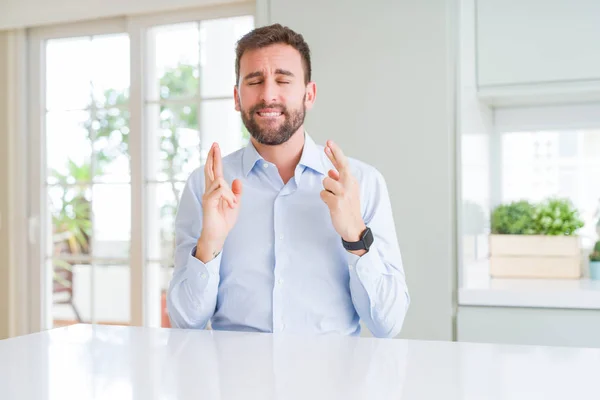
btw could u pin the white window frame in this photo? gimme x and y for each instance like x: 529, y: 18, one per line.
x: 537, y: 118
x: 143, y: 285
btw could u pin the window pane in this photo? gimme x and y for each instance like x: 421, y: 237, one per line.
x: 537, y: 165
x: 69, y: 280
x: 110, y: 70
x: 88, y: 220
x: 70, y: 211
x: 176, y: 61
x: 163, y: 201
x: 68, y: 163
x: 68, y: 73
x: 174, y: 150
x: 164, y: 273
x: 217, y: 53
x: 112, y: 290
x: 112, y: 220
x: 90, y: 292
x: 111, y: 145
x: 221, y: 123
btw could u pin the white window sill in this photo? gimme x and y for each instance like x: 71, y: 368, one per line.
x: 478, y: 289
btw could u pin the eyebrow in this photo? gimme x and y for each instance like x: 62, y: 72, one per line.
x: 278, y: 71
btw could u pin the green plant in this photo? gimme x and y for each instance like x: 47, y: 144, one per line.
x: 556, y: 217
x: 595, y: 254
x: 72, y: 220
x: 515, y: 218
x: 552, y: 217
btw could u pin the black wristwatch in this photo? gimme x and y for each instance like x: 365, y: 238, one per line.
x: 364, y: 243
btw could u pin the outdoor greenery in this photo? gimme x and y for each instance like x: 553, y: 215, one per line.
x: 553, y: 216
x: 108, y: 135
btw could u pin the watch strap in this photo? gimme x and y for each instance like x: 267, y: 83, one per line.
x: 364, y: 243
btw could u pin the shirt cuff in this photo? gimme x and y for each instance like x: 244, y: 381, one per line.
x: 369, y: 264
x: 197, y: 270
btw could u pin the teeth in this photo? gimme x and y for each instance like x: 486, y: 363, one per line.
x: 270, y: 114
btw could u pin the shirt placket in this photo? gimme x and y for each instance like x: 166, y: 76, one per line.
x: 281, y: 248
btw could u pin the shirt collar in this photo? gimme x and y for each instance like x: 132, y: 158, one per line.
x: 312, y: 156
x: 250, y: 158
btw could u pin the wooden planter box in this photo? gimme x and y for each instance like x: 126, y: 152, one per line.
x: 533, y: 256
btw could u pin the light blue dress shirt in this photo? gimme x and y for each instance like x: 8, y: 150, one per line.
x: 283, y: 266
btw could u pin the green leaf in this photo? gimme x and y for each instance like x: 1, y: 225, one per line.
x: 556, y: 216
x: 512, y: 219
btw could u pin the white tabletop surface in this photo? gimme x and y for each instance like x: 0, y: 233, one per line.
x: 101, y: 362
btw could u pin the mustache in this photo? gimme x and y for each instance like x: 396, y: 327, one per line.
x: 262, y: 105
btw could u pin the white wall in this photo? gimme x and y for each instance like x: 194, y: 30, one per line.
x: 28, y: 13
x: 385, y: 92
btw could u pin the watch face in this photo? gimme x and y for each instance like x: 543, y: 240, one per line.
x: 368, y: 238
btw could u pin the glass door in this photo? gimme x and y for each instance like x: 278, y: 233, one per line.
x: 122, y: 112
x: 87, y: 179
x: 188, y: 105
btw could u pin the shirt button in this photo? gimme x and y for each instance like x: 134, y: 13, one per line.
x: 203, y: 275
x: 265, y: 165
x: 280, y: 282
x: 281, y: 237
x: 282, y: 326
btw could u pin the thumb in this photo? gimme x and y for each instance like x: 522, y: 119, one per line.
x: 236, y: 188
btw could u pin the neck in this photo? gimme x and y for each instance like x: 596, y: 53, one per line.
x: 285, y: 156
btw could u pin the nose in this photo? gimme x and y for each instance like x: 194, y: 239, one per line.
x: 270, y: 92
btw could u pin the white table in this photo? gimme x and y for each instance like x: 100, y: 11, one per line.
x: 101, y: 362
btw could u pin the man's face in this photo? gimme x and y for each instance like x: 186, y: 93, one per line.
x: 271, y: 93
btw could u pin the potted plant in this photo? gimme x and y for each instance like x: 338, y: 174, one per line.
x: 595, y: 262
x: 535, y: 240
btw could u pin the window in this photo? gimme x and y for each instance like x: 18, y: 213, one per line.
x: 565, y: 163
x: 189, y: 105
x: 115, y: 154
x: 528, y: 153
x: 88, y: 178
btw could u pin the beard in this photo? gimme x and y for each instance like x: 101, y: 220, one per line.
x: 274, y: 134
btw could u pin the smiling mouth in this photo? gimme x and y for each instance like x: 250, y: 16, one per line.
x: 269, y: 114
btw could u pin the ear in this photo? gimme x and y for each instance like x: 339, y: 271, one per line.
x: 311, y: 95
x: 236, y: 98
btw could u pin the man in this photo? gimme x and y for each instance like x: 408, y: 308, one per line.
x: 285, y: 235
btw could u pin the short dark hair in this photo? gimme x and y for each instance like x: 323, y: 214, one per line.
x: 273, y: 34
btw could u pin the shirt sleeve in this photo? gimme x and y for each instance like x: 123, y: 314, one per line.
x: 377, y: 280
x: 192, y: 293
